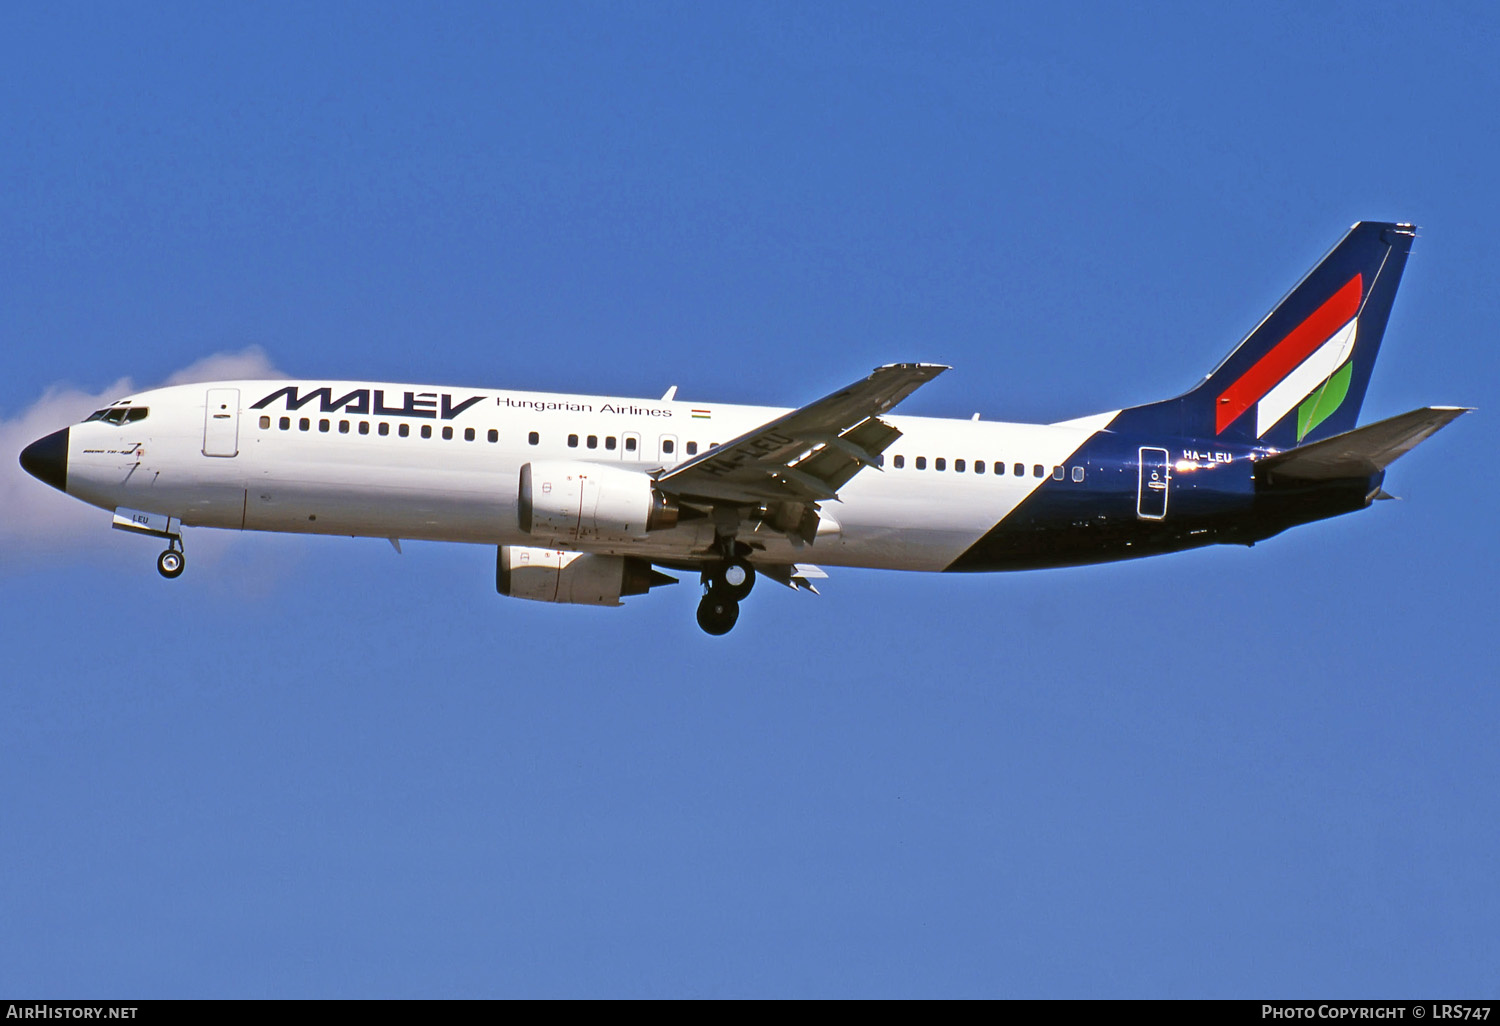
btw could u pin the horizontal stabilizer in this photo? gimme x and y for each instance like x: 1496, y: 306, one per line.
x: 1361, y: 452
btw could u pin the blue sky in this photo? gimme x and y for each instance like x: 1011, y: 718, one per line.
x: 315, y: 768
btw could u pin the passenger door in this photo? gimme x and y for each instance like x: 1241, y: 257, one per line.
x: 221, y: 422
x: 1151, y: 496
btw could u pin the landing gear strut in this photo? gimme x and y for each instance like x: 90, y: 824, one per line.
x: 171, y: 563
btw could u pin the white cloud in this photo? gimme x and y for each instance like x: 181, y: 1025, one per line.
x: 37, y: 522
x: 247, y: 364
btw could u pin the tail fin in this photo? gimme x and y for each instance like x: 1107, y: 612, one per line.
x: 1301, y: 375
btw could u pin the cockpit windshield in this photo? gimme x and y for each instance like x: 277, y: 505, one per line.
x: 119, y: 414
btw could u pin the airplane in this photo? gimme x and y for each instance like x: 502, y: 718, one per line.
x: 588, y: 499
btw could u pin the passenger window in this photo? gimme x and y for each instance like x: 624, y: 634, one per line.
x: 921, y: 462
x: 285, y: 423
x: 593, y: 441
x: 1019, y: 469
x: 323, y: 424
x: 999, y: 468
x: 384, y: 428
x: 343, y: 427
x: 667, y: 445
x: 899, y: 462
x: 533, y: 438
x: 447, y: 432
x: 1077, y: 473
x: 468, y: 434
x: 493, y: 435
x: 940, y: 464
x: 1037, y: 470
x: 692, y: 448
x: 265, y: 422
x: 609, y: 442
x: 958, y: 466
x: 303, y: 424
x: 979, y: 466
x: 403, y: 430
x: 572, y: 441
x: 426, y: 430
x: 364, y: 427
x: 630, y: 445
x: 1057, y: 473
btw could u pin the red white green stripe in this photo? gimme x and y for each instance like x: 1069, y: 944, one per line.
x: 1307, y: 359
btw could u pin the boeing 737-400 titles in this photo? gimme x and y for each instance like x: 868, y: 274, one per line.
x: 588, y: 498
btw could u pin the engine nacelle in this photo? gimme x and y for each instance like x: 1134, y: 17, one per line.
x: 568, y: 501
x: 579, y: 578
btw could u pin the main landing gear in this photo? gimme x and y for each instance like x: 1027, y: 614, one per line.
x: 171, y: 563
x: 726, y: 584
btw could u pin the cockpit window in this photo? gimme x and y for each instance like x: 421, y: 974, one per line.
x: 120, y: 414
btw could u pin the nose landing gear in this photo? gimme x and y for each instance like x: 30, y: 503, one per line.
x: 172, y: 562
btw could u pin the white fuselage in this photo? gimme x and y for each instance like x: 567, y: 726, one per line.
x: 424, y: 462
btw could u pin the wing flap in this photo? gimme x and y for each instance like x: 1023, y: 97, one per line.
x: 1361, y: 452
x: 843, y: 456
x: 797, y: 576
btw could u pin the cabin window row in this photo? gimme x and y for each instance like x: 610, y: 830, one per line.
x: 381, y: 428
x: 403, y: 430
x: 668, y: 445
x: 998, y: 466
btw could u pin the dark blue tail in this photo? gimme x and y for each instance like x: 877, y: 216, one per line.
x: 1301, y: 374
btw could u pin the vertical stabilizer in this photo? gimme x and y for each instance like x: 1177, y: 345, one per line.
x: 1301, y: 375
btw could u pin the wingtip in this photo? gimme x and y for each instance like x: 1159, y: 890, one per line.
x: 931, y: 368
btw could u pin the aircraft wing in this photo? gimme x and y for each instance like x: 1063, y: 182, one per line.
x: 1360, y: 452
x: 807, y: 455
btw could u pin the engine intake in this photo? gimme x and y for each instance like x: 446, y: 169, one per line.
x: 569, y: 501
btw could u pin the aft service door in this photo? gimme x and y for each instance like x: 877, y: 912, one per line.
x: 221, y: 422
x: 1151, y: 500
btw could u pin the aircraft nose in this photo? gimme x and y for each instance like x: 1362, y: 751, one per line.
x: 46, y: 459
